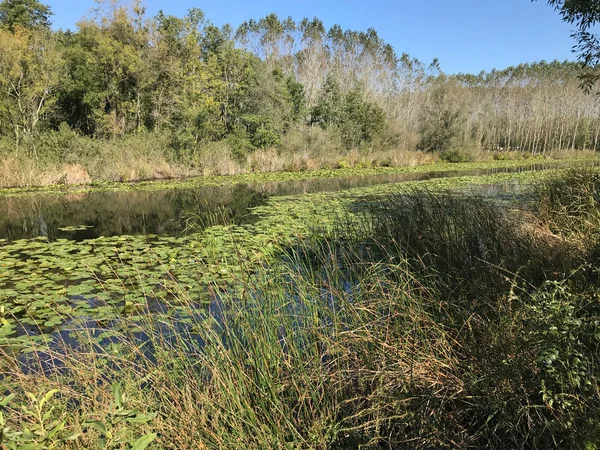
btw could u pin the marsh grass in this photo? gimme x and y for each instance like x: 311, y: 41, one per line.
x: 471, y: 244
x: 423, y: 321
x: 65, y: 157
x: 570, y: 203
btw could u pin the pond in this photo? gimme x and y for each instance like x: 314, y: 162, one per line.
x: 95, y: 257
x: 169, y: 212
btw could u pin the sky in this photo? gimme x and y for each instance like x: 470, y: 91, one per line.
x: 465, y: 35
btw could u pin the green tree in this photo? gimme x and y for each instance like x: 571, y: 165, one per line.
x: 31, y: 68
x: 358, y: 120
x: 584, y: 14
x: 27, y: 14
x: 183, y: 98
x: 361, y: 120
x: 110, y: 73
x: 443, y: 116
x: 328, y: 110
x: 297, y: 98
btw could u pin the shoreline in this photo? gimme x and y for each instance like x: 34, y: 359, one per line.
x: 274, y: 177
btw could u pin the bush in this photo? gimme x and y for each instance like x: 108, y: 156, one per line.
x: 239, y: 144
x: 316, y: 142
x: 218, y: 158
x: 456, y: 155
x: 138, y: 157
x: 57, y: 146
x: 265, y: 161
x: 510, y: 155
x: 264, y: 138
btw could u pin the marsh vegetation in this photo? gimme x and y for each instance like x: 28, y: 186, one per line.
x: 330, y: 270
x: 397, y: 316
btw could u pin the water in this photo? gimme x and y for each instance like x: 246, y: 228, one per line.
x: 82, y: 216
x: 90, y: 215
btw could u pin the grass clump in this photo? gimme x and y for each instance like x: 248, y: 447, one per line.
x: 424, y: 320
x: 471, y: 244
x: 570, y: 203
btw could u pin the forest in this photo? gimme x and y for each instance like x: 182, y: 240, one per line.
x: 126, y: 96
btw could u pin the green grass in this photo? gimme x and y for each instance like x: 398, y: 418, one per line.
x: 570, y: 202
x: 410, y: 319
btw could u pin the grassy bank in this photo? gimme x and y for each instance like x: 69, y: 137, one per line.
x: 415, y: 320
x: 65, y: 158
x: 189, y: 180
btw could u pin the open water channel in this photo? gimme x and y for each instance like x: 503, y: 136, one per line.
x: 89, y: 215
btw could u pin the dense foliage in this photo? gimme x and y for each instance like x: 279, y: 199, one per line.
x: 182, y: 90
x: 584, y: 14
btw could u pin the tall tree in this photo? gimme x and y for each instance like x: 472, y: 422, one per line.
x: 108, y: 61
x: 30, y: 70
x: 328, y: 110
x: 27, y: 14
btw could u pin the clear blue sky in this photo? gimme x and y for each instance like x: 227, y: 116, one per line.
x: 466, y: 35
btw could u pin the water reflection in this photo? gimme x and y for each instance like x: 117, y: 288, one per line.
x: 507, y: 190
x: 90, y: 215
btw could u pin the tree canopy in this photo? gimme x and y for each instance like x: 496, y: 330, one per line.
x: 24, y: 13
x: 273, y: 84
x: 584, y: 14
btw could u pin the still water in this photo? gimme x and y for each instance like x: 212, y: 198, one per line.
x: 168, y: 212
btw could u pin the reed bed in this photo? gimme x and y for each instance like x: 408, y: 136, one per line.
x: 423, y: 321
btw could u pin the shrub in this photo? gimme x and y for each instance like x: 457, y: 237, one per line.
x: 74, y: 174
x: 264, y: 138
x: 218, y: 158
x: 239, y: 144
x: 138, y: 157
x: 265, y: 161
x: 316, y: 142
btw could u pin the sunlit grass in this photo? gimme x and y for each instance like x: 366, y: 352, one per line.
x: 423, y: 321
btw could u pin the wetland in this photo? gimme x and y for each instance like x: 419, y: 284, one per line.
x: 104, y: 251
x: 130, y: 280
x: 273, y: 235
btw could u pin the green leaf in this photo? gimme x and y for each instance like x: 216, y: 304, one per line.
x: 59, y: 426
x: 144, y: 441
x: 96, y: 425
x: 47, y: 397
x: 73, y: 436
x: 6, y: 400
x: 117, y: 394
x: 141, y: 418
x: 47, y: 414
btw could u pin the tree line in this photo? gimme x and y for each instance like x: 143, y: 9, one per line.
x: 123, y: 73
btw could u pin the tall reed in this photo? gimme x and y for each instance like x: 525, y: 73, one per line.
x: 426, y: 321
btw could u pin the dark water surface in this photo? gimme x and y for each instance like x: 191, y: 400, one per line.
x: 90, y: 215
